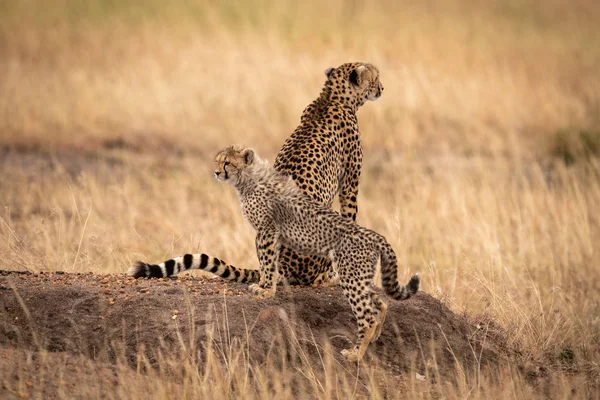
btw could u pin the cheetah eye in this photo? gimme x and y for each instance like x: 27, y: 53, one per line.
x: 226, y: 163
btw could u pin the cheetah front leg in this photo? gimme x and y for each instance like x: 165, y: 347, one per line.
x: 348, y: 195
x: 267, y: 250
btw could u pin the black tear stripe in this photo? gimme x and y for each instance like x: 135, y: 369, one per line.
x: 169, y: 266
x: 155, y: 271
x: 187, y: 261
x: 203, y: 261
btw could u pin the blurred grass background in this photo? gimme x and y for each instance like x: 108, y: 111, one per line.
x: 481, y: 158
x: 464, y: 76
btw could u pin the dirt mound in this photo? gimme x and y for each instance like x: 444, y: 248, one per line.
x: 104, y: 317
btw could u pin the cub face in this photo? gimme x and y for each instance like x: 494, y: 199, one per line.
x: 230, y: 163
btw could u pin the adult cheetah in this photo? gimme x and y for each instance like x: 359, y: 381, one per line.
x: 283, y: 215
x: 324, y: 157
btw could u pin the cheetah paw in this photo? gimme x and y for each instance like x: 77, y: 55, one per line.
x: 351, y: 355
x: 332, y: 279
x: 265, y: 293
x: 326, y: 280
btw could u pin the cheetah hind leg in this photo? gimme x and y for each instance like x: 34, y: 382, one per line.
x: 382, y: 308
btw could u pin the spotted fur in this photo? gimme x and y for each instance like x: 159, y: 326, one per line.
x: 324, y: 157
x: 283, y: 215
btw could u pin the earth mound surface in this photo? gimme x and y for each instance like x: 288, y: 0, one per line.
x: 105, y: 318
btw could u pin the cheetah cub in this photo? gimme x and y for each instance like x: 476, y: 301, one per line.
x: 283, y: 215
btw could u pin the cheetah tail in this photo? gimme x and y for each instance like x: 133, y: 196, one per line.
x: 389, y: 275
x: 192, y: 261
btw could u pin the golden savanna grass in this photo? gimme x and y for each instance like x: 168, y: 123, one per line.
x: 480, y: 166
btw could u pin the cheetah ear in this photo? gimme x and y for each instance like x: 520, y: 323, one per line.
x: 248, y: 155
x: 355, y: 76
x: 328, y: 71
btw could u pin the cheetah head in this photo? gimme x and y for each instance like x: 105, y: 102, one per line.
x: 231, y: 163
x: 358, y: 81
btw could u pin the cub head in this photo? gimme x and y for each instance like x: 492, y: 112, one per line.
x: 231, y: 162
x: 355, y: 81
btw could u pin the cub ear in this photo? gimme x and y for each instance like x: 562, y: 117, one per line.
x: 355, y: 76
x: 248, y: 155
x: 329, y: 71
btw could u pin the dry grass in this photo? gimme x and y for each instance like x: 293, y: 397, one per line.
x: 111, y: 112
x: 222, y: 368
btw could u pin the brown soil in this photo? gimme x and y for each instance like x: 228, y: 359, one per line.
x: 104, y: 317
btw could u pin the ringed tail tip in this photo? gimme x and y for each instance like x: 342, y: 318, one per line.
x: 414, y: 283
x: 139, y: 270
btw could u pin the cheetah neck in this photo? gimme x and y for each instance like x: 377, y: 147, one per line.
x: 330, y: 96
x: 324, y: 98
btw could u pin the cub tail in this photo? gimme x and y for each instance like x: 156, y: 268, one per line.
x: 193, y: 261
x: 389, y: 274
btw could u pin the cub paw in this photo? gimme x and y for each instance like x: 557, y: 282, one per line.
x: 351, y: 355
